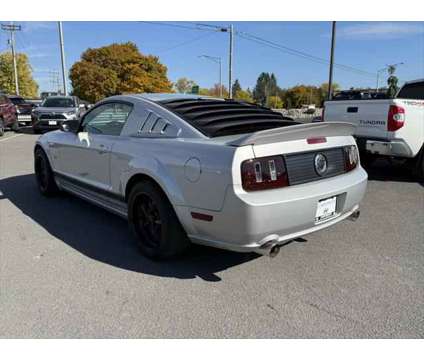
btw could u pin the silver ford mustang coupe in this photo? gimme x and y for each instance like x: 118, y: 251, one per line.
x: 217, y: 172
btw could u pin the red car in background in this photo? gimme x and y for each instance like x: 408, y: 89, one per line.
x: 23, y: 109
x: 14, y: 111
x: 8, y: 114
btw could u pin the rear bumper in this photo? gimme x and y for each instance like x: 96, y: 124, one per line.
x: 247, y: 221
x: 396, y: 147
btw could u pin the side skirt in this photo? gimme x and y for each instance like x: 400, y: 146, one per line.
x: 104, y: 199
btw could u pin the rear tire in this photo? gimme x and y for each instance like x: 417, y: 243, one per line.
x: 1, y: 127
x: 419, y: 165
x: 44, y: 174
x: 367, y: 159
x: 154, y: 223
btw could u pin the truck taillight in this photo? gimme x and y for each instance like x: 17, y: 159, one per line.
x: 396, y: 118
x: 351, y: 157
x: 264, y: 173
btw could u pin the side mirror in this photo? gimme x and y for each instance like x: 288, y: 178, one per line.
x: 70, y: 126
x: 82, y: 106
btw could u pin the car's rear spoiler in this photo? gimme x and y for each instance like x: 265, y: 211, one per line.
x: 294, y: 132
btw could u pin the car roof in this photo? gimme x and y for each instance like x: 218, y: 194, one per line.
x: 414, y: 81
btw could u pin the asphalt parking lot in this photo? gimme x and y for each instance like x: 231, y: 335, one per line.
x: 69, y: 269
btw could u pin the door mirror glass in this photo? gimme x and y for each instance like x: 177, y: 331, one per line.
x: 70, y: 126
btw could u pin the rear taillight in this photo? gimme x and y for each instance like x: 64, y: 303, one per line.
x: 264, y: 173
x: 351, y: 157
x: 396, y: 118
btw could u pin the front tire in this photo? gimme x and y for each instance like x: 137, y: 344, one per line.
x: 154, y: 223
x: 1, y: 127
x: 44, y: 174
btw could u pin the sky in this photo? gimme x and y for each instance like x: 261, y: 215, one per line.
x: 364, y: 46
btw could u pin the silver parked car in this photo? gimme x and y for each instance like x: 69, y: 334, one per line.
x: 54, y: 110
x: 211, y: 171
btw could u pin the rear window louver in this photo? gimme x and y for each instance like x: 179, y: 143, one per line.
x: 225, y: 117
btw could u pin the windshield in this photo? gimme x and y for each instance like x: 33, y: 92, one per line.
x: 16, y: 100
x: 59, y: 102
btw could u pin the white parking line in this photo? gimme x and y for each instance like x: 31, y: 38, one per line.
x: 11, y: 137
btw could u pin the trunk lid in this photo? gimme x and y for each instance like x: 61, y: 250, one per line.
x: 292, y: 133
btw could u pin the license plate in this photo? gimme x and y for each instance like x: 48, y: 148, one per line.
x: 326, y: 209
x: 24, y: 117
x: 52, y: 122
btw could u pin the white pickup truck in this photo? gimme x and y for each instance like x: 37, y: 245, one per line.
x: 387, y: 127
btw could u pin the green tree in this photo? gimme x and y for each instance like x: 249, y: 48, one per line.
x: 236, y: 87
x: 260, y: 90
x: 27, y: 85
x: 243, y: 95
x: 324, y: 91
x: 184, y: 85
x: 274, y: 102
x: 117, y: 69
x: 392, y: 82
x: 266, y: 86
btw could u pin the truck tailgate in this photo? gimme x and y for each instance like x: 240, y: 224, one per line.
x: 369, y: 116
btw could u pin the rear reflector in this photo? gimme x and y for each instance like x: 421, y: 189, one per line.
x: 318, y: 140
x: 200, y: 216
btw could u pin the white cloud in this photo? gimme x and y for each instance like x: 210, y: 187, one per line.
x: 381, y: 30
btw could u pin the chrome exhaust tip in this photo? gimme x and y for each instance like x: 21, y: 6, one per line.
x: 270, y: 248
x: 355, y: 215
x: 273, y: 252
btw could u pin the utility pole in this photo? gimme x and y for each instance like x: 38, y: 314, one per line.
x: 12, y: 28
x: 230, y: 30
x: 230, y: 62
x: 330, y: 79
x: 62, y: 56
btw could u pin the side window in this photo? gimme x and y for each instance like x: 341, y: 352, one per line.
x: 107, y: 119
x: 413, y: 91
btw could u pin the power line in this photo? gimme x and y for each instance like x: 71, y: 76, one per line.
x: 186, y: 42
x: 301, y: 54
x: 176, y: 25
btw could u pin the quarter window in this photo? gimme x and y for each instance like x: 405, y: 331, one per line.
x: 107, y: 119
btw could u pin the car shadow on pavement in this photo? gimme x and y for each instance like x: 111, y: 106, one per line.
x: 27, y: 130
x: 385, y: 170
x: 105, y: 237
